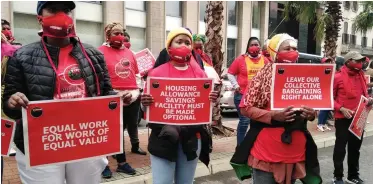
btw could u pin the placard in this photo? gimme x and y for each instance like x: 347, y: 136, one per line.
x: 178, y: 101
x: 63, y: 131
x: 360, y: 118
x: 145, y: 60
x: 7, y: 134
x: 302, y: 84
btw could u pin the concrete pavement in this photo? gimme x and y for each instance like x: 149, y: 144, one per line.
x: 326, y: 163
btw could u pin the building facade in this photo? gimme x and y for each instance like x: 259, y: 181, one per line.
x: 349, y: 39
x: 148, y: 22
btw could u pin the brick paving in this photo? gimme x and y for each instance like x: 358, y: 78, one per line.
x: 222, y: 148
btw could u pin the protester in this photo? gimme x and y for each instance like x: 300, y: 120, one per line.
x: 37, y: 72
x: 240, y: 73
x: 125, y: 77
x: 265, y: 53
x: 349, y: 86
x: 323, y: 114
x: 198, y: 42
x: 127, y: 40
x: 175, y: 149
x: 6, y: 30
x: 164, y: 57
x: 278, y: 148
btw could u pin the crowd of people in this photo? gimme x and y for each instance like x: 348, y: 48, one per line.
x: 277, y: 148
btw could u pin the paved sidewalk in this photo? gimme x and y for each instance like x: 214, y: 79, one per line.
x: 222, y: 152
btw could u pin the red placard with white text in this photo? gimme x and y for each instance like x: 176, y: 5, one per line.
x: 182, y: 101
x: 367, y: 78
x: 63, y: 131
x: 7, y: 134
x: 302, y: 84
x: 360, y: 118
x: 145, y: 60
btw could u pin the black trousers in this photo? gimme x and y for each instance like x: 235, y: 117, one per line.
x: 130, y: 117
x: 345, y: 137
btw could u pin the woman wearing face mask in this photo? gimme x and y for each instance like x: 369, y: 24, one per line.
x: 240, y: 73
x: 277, y: 148
x: 198, y: 42
x: 38, y: 71
x: 175, y: 149
x: 125, y: 77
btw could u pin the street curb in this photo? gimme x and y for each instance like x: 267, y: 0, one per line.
x: 222, y: 164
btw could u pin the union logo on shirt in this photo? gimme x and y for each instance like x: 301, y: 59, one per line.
x: 122, y: 68
x: 73, y: 75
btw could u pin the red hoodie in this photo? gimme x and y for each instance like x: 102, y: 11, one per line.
x: 122, y: 67
x: 347, y: 90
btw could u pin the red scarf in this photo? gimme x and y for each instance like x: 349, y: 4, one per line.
x: 204, y: 56
x: 346, y: 73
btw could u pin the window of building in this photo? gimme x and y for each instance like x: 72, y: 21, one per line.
x: 364, y: 42
x: 136, y: 5
x: 353, y: 29
x: 90, y: 32
x: 138, y: 38
x: 347, y: 5
x: 255, y: 14
x: 94, y: 2
x: 231, y: 51
x: 26, y: 28
x: 345, y: 27
x: 173, y: 8
x: 202, y: 10
x: 355, y: 6
x: 232, y: 12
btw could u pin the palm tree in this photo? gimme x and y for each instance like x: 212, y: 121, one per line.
x: 328, y: 22
x: 364, y: 21
x: 213, y: 47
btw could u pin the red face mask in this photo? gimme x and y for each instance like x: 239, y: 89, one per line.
x: 127, y: 45
x: 180, y: 55
x: 116, y: 41
x: 253, y: 51
x: 287, y: 56
x: 356, y: 66
x: 8, y: 34
x: 59, y: 25
x: 197, y: 46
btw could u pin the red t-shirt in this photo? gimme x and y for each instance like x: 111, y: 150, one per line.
x: 245, y: 68
x: 122, y: 67
x: 71, y: 81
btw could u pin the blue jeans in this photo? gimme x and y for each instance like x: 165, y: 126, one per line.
x: 244, y: 121
x: 323, y: 117
x: 181, y: 171
x: 262, y: 177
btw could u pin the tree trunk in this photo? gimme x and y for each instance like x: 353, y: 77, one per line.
x: 213, y: 47
x: 333, y: 9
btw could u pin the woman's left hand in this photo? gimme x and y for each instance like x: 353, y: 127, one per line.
x: 308, y: 113
x: 126, y: 97
x: 214, y: 96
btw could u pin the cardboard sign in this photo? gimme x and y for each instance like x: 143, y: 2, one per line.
x: 145, y: 60
x: 7, y: 134
x: 63, y: 131
x: 360, y: 118
x: 180, y: 101
x: 367, y: 78
x: 302, y: 84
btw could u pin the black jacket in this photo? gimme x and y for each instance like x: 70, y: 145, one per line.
x: 30, y: 72
x: 164, y: 58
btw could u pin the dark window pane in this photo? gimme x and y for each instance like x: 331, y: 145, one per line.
x: 202, y: 10
x: 232, y: 14
x: 173, y: 8
x: 256, y: 15
x: 231, y: 51
x: 345, y: 27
